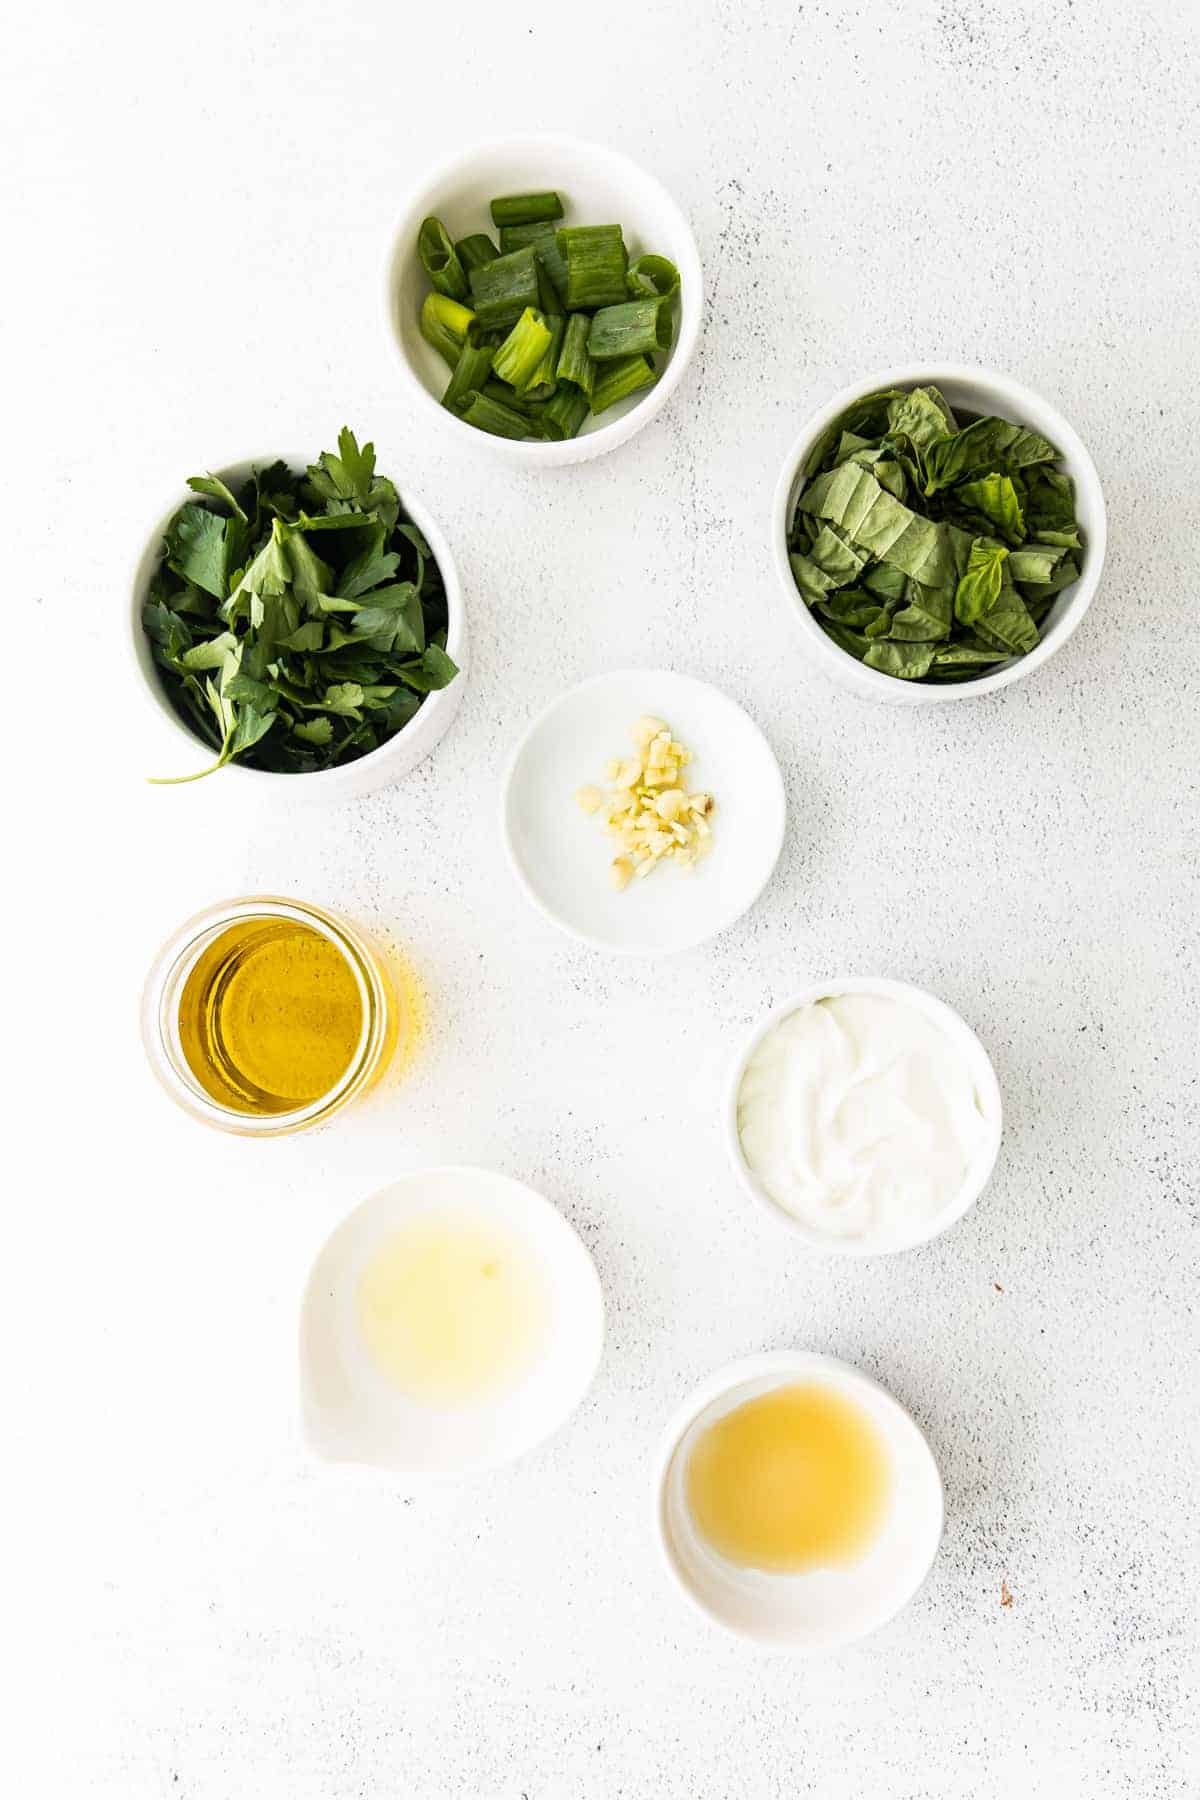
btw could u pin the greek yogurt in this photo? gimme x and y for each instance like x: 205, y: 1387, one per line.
x: 859, y: 1115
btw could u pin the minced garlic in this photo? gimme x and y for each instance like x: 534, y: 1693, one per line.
x: 647, y: 807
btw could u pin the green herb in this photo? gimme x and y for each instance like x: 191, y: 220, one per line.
x: 474, y: 251
x: 554, y: 325
x: 493, y: 416
x: 525, y: 209
x: 929, y: 547
x: 444, y: 324
x: 615, y: 380
x: 440, y: 260
x: 502, y: 289
x: 519, y: 357
x: 596, y: 265
x: 635, y: 327
x: 299, y: 620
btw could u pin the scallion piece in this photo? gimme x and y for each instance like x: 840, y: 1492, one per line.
x: 634, y: 328
x: 519, y: 357
x: 472, y: 369
x: 614, y: 380
x: 574, y: 363
x: 439, y: 261
x: 491, y: 415
x: 504, y: 288
x: 544, y: 238
x: 474, y: 251
x: 524, y: 209
x: 563, y: 415
x: 653, y: 275
x: 499, y: 390
x: 545, y: 379
x: 596, y: 264
x: 444, y: 324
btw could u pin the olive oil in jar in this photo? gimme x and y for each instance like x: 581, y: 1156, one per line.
x: 270, y: 1017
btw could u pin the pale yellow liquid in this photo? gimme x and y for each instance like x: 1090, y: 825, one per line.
x: 453, y: 1308
x: 798, y: 1478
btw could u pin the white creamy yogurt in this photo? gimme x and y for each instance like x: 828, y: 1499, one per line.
x: 859, y: 1115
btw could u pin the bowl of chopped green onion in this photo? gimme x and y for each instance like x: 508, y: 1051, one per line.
x: 544, y: 296
x: 939, y: 533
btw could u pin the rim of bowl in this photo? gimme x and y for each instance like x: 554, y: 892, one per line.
x: 483, y: 1464
x: 714, y: 1387
x: 1073, y: 453
x: 527, y: 887
x: 146, y: 670
x: 691, y: 314
x: 987, y: 1084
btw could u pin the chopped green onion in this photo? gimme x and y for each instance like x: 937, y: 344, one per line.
x: 545, y: 379
x: 524, y: 209
x: 439, y: 261
x: 444, y: 324
x: 574, y: 363
x: 596, y: 263
x: 474, y: 251
x: 472, y: 369
x: 499, y: 390
x: 504, y: 288
x: 491, y: 415
x: 614, y: 380
x: 653, y: 275
x: 564, y: 414
x: 633, y: 327
x: 519, y: 357
x: 544, y: 238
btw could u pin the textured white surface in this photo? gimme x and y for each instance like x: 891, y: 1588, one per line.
x: 202, y: 199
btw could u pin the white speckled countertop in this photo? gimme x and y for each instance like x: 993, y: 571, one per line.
x: 201, y: 206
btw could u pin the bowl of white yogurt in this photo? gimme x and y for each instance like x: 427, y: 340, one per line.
x: 864, y: 1116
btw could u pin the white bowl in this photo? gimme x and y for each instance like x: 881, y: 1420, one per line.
x: 599, y: 187
x: 561, y: 856
x: 351, y: 1413
x: 986, y: 1086
x: 826, y: 1609
x: 379, y: 768
x: 980, y: 391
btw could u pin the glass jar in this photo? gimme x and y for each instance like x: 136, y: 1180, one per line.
x: 168, y: 995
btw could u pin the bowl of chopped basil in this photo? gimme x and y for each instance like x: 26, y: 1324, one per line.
x: 296, y: 617
x: 544, y: 296
x: 939, y: 533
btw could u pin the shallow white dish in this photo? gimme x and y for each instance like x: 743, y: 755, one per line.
x: 598, y: 187
x: 986, y: 1086
x: 979, y: 391
x: 352, y: 1413
x: 379, y: 768
x: 826, y: 1609
x: 561, y: 856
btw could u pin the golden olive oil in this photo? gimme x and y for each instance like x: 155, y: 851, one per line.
x: 270, y: 1017
x: 453, y: 1307
x: 795, y: 1479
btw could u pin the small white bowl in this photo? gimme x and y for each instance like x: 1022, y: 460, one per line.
x: 979, y: 391
x: 561, y: 856
x: 351, y: 1413
x: 379, y: 768
x: 986, y: 1086
x: 826, y: 1609
x: 599, y: 187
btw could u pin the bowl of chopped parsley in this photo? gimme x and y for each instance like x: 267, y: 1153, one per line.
x: 296, y: 617
x: 939, y: 533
